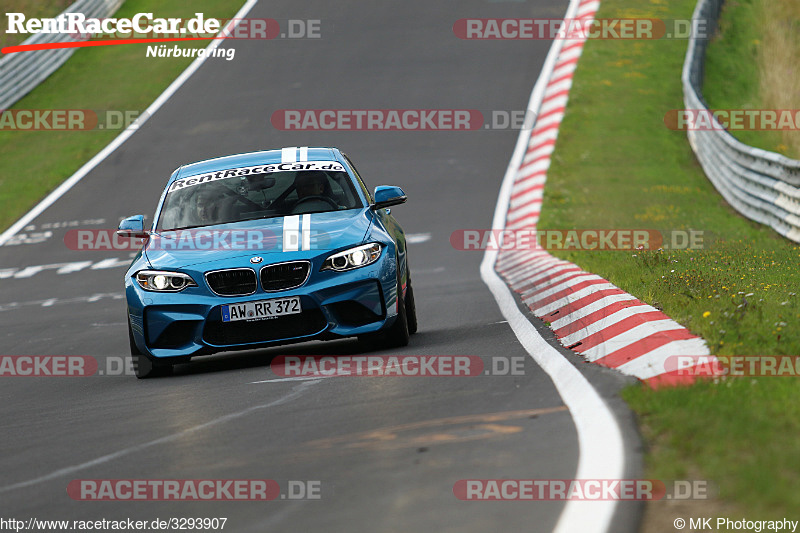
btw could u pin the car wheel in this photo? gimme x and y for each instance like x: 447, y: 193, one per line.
x: 411, y: 309
x: 397, y: 336
x: 143, y: 366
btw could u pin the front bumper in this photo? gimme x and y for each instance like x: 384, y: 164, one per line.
x: 334, y: 305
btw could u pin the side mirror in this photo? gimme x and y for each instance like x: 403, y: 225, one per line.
x: 133, y: 227
x: 387, y: 196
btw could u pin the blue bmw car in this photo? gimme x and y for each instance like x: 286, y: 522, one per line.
x: 263, y: 249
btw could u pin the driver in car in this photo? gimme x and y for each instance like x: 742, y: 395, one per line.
x: 309, y: 183
x: 206, y: 209
x: 313, y: 192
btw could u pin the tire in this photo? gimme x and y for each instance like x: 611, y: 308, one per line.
x: 411, y: 309
x: 396, y: 336
x: 143, y: 366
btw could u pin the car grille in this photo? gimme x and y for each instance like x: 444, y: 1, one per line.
x: 233, y: 282
x: 302, y: 324
x: 283, y: 276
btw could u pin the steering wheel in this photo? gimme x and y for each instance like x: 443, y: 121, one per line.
x: 325, y: 199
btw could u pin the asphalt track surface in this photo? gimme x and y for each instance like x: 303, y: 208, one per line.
x: 229, y: 416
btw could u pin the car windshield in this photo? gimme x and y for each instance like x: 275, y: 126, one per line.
x: 195, y: 203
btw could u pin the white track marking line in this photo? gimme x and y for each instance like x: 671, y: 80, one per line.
x: 297, y: 378
x: 417, y: 238
x: 291, y: 395
x: 599, y: 437
x: 70, y: 182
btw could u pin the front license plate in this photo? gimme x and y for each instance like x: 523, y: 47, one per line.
x: 261, y: 309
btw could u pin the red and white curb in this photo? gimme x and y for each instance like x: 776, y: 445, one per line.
x: 588, y: 314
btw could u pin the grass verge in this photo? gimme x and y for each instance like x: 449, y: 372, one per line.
x: 616, y: 165
x: 103, y: 78
x: 40, y: 9
x: 756, y: 54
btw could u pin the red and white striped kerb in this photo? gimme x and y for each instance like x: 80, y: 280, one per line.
x: 588, y: 314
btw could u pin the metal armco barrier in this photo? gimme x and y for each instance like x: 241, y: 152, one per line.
x: 761, y: 185
x: 23, y: 71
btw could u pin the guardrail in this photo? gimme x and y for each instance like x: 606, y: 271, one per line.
x: 761, y: 185
x: 22, y: 72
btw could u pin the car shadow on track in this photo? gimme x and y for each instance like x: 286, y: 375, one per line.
x: 422, y: 343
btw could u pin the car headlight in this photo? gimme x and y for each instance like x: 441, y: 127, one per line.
x: 163, y: 281
x: 357, y: 257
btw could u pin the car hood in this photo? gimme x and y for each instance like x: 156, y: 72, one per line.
x: 296, y: 236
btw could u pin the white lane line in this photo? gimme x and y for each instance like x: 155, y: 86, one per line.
x: 600, y: 441
x: 291, y: 395
x: 62, y: 268
x: 435, y: 270
x: 417, y: 238
x: 51, y: 198
x: 57, y: 301
x: 298, y: 378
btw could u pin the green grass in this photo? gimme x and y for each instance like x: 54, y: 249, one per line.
x: 39, y: 9
x: 617, y: 165
x: 32, y: 163
x: 734, y: 57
